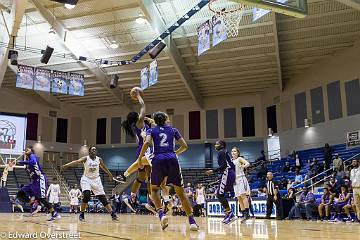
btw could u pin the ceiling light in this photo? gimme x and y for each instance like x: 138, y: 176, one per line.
x: 140, y: 20
x: 69, y: 6
x: 114, y: 45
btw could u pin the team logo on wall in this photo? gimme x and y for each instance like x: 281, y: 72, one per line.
x: 7, y: 134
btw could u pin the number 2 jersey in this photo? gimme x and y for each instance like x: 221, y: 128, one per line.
x: 164, y: 138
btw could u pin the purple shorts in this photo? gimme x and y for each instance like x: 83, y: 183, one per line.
x: 226, y: 182
x: 339, y: 204
x: 166, y: 167
x: 37, y: 188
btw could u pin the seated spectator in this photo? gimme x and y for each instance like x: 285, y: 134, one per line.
x: 350, y: 205
x: 307, y: 202
x: 262, y: 172
x: 326, y: 203
x: 337, y: 163
x: 289, y: 184
x: 298, y: 177
x: 262, y: 192
x: 308, y: 179
x: 341, y: 202
x: 334, y: 186
x: 286, y: 167
x: 283, y: 183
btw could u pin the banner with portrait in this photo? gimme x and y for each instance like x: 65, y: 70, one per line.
x: 25, y: 77
x: 76, y: 84
x: 59, y: 83
x: 42, y: 80
x: 218, y: 30
x: 153, y: 79
x: 203, y: 37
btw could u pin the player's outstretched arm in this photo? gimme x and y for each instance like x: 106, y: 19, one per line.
x: 142, y: 114
x: 103, y: 167
x: 183, y: 146
x: 73, y: 163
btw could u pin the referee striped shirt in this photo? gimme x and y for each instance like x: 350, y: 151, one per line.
x: 271, y: 188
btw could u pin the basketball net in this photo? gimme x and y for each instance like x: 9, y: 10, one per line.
x: 230, y: 12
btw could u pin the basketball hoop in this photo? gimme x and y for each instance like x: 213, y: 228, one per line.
x: 230, y: 12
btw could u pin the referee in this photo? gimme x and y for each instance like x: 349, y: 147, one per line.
x: 273, y: 196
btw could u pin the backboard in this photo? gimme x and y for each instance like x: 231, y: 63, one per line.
x: 295, y: 8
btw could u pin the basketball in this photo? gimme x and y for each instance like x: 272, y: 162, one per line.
x: 134, y: 91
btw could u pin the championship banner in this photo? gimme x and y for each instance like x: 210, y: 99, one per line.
x: 59, y: 82
x: 218, y: 30
x: 25, y: 77
x: 76, y: 84
x: 153, y: 79
x: 204, y: 37
x: 353, y: 139
x: 144, y: 78
x: 42, y: 80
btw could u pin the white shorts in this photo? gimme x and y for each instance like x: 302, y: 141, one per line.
x: 241, y: 186
x: 200, y: 200
x: 94, y: 185
x: 74, y: 201
x: 53, y: 199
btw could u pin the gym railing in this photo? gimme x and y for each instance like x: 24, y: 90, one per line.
x: 324, y: 172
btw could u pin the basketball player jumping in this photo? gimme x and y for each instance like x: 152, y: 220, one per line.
x: 37, y: 187
x: 241, y: 186
x: 165, y: 165
x: 91, y: 181
x: 227, y: 170
x: 135, y: 126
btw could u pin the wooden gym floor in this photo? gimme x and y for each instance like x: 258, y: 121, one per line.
x: 100, y: 227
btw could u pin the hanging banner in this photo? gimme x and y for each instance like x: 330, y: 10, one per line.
x: 203, y: 37
x: 144, y: 78
x: 25, y: 77
x: 59, y: 82
x: 353, y: 139
x: 42, y: 80
x: 218, y: 30
x: 153, y: 79
x: 259, y: 13
x: 76, y: 84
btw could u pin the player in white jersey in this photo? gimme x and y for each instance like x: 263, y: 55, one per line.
x: 241, y: 186
x: 91, y: 181
x: 200, y: 198
x: 74, y: 195
x: 53, y: 192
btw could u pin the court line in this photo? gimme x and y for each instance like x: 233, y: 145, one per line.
x: 80, y: 231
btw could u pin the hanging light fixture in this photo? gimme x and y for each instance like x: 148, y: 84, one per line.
x: 113, y: 43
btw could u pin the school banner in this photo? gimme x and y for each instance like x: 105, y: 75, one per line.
x: 25, y: 77
x: 204, y: 37
x: 76, y: 84
x: 59, y: 82
x: 42, y: 81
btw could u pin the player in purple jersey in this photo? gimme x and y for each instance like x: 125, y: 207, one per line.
x: 38, y: 185
x: 135, y: 125
x: 227, y: 170
x: 165, y: 165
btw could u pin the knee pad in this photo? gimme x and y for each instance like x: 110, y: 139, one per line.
x: 21, y: 195
x: 86, y: 196
x: 103, y: 200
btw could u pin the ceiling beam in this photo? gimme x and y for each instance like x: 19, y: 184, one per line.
x: 153, y: 16
x: 10, y: 28
x: 351, y: 3
x: 75, y: 47
x: 277, y: 51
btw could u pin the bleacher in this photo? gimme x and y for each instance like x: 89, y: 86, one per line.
x: 304, y: 155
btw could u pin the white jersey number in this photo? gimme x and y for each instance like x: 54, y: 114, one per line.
x: 163, y: 142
